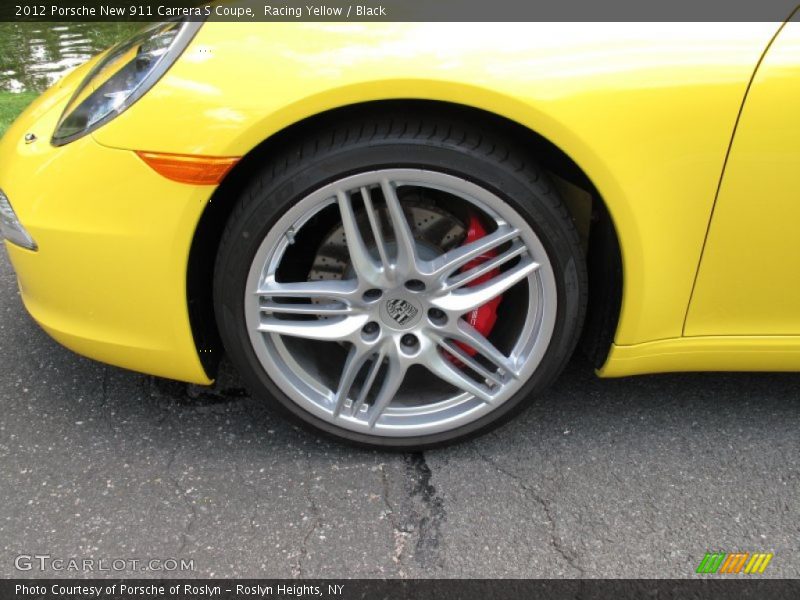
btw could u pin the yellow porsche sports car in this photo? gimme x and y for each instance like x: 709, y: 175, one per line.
x: 398, y: 232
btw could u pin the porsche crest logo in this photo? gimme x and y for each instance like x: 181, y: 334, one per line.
x: 402, y: 311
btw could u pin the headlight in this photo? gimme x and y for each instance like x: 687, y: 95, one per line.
x: 123, y: 76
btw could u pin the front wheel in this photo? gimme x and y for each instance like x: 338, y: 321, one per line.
x: 400, y: 283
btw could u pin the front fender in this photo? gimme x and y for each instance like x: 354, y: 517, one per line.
x: 646, y: 110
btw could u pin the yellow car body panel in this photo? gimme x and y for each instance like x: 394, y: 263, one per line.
x: 748, y: 283
x: 109, y: 277
x: 706, y: 353
x: 646, y: 110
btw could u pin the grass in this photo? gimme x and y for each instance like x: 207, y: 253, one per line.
x: 11, y: 105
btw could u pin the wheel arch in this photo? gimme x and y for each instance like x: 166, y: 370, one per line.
x: 587, y: 205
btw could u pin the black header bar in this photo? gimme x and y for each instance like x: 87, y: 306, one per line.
x: 399, y: 10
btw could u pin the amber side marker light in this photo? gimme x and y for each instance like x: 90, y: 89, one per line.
x: 196, y: 170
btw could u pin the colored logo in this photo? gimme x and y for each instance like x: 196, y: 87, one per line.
x: 734, y: 562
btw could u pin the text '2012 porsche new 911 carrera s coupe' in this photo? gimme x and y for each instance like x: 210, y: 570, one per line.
x: 400, y: 232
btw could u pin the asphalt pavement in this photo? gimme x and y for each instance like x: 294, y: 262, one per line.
x: 635, y: 477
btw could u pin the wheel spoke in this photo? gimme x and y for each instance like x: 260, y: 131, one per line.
x: 312, y: 290
x: 395, y: 374
x: 353, y: 364
x: 455, y: 259
x: 375, y: 225
x: 321, y: 310
x: 374, y: 368
x: 470, y: 362
x: 466, y: 299
x: 465, y: 333
x: 328, y: 330
x: 444, y: 369
x: 406, y: 246
x: 365, y: 267
x: 495, y: 262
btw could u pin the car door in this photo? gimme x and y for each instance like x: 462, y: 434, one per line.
x: 748, y: 283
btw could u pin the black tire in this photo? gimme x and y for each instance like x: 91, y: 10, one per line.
x: 442, y: 143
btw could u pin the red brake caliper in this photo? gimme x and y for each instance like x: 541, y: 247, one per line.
x: 484, y: 317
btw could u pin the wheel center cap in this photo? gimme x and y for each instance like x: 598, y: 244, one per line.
x: 401, y: 312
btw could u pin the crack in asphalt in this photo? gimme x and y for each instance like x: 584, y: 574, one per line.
x: 316, y: 521
x: 420, y: 512
x: 427, y: 549
x: 555, y: 540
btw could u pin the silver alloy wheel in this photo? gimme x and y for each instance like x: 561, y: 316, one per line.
x: 384, y: 325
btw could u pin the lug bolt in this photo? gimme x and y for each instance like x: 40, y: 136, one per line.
x: 415, y: 285
x: 437, y: 316
x: 370, y: 328
x: 408, y: 340
x: 372, y: 295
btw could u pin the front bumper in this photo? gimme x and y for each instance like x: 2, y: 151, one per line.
x: 108, y: 279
